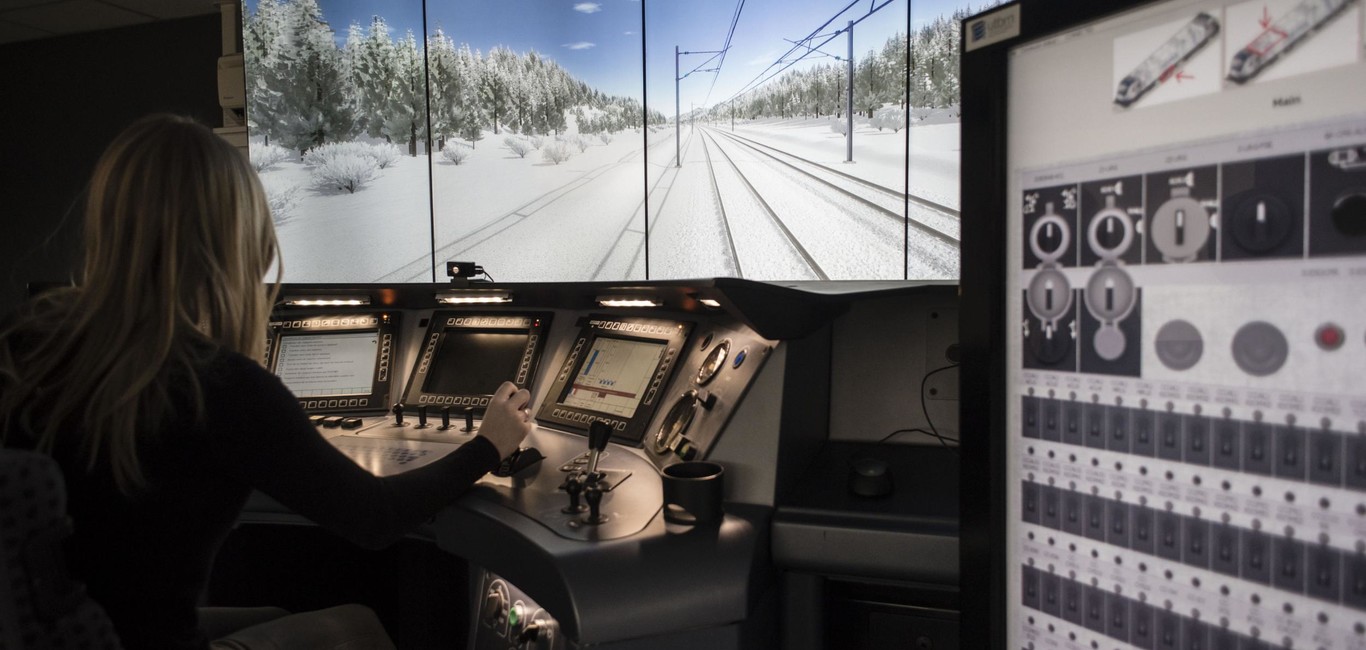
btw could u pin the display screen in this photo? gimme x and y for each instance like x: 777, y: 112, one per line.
x: 613, y: 376
x: 1184, y: 334
x: 475, y: 362
x: 335, y: 364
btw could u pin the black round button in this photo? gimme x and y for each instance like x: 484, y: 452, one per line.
x: 1349, y: 214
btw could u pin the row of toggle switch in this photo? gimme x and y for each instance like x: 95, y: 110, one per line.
x: 1285, y: 450
x: 1130, y: 621
x: 1318, y: 571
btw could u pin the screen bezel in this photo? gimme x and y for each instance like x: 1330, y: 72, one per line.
x: 631, y: 429
x: 297, y: 335
x: 383, y: 324
x: 661, y: 346
x: 534, y: 324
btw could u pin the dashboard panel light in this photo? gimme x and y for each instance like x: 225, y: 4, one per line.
x: 714, y: 304
x: 326, y: 301
x: 474, y: 298
x: 628, y: 301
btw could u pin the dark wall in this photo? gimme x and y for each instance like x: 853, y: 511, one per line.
x: 64, y: 99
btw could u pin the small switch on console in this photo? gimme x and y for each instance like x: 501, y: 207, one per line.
x: 469, y: 420
x: 422, y: 417
x: 445, y: 419
x: 398, y: 414
x: 351, y: 423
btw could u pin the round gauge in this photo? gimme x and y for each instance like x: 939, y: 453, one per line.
x: 710, y: 365
x: 1110, y: 293
x: 1110, y: 232
x: 675, y: 423
x: 1049, y: 295
x: 1049, y: 236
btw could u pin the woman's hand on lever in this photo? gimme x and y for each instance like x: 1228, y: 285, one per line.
x: 508, y: 419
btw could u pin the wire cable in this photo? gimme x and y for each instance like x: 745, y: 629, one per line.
x: 933, y: 432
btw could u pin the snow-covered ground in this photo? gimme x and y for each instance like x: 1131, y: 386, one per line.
x: 528, y: 219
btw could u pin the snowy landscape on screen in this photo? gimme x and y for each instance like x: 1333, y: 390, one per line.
x: 537, y: 176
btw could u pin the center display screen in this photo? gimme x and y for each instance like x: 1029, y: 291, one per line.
x: 333, y: 364
x: 614, y: 375
x: 475, y: 362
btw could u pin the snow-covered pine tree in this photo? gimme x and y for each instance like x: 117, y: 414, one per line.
x: 374, y: 73
x: 406, y: 113
x: 316, y: 98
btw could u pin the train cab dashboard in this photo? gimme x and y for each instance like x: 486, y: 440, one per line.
x: 592, y: 533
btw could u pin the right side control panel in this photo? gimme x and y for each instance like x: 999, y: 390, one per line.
x: 1193, y: 393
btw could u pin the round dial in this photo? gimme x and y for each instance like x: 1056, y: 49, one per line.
x: 1110, y: 293
x: 713, y: 363
x: 1180, y: 228
x: 1111, y: 231
x: 675, y: 423
x: 1049, y: 295
x: 1261, y: 223
x: 1049, y: 236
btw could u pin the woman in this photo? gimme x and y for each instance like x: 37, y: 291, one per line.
x: 142, y: 382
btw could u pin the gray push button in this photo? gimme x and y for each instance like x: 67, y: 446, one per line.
x: 1260, y: 349
x: 1179, y: 345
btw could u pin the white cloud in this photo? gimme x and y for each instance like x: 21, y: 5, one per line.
x: 588, y: 7
x: 580, y: 45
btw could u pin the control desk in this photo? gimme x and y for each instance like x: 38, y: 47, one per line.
x: 570, y: 535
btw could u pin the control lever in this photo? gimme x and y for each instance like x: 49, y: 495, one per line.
x: 445, y: 419
x: 398, y: 414
x: 592, y: 492
x: 469, y: 420
x: 519, y: 461
x: 707, y: 399
x: 535, y: 631
x: 422, y: 417
x: 599, y: 433
x: 573, y: 484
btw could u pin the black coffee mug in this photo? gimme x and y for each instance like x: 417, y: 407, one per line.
x: 693, y: 492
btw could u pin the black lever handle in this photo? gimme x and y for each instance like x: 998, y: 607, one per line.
x: 398, y: 414
x: 599, y: 433
x: 445, y: 418
x: 469, y: 419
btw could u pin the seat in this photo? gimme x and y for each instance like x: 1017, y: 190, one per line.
x: 40, y: 605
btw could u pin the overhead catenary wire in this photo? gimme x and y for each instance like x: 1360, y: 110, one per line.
x: 805, y: 42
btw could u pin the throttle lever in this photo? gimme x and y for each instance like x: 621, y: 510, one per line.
x: 599, y: 433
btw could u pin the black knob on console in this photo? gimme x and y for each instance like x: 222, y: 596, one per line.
x: 574, y: 486
x: 469, y: 419
x: 445, y: 419
x: 422, y: 417
x: 599, y: 433
x: 398, y: 414
x: 593, y: 494
x: 707, y: 399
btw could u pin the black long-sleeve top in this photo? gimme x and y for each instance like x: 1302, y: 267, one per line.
x: 146, y: 558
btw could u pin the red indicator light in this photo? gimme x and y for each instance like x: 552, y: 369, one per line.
x: 1329, y: 337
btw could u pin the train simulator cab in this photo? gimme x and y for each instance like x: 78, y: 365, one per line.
x: 1134, y: 418
x: 681, y: 488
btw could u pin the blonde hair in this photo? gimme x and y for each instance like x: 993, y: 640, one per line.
x: 178, y: 240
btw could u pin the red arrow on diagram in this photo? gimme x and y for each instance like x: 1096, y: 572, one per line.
x: 1265, y: 20
x: 1182, y: 76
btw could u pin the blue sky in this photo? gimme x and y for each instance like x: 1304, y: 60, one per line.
x: 600, y: 41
